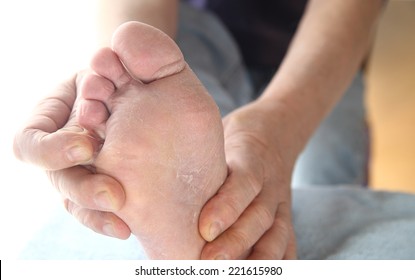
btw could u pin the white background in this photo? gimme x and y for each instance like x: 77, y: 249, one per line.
x: 126, y: 270
x: 42, y: 43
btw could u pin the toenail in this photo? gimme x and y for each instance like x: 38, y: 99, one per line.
x: 103, y: 200
x: 214, y: 230
x: 78, y: 154
x: 108, y: 229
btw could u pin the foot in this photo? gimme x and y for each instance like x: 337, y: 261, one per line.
x: 163, y: 138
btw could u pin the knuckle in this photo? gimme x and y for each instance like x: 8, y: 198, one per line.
x: 69, y: 205
x: 233, y: 207
x: 76, y: 191
x: 17, y: 146
x: 254, y: 184
x: 240, y: 240
x: 82, y: 192
x: 103, y: 181
x: 265, y: 216
x: 85, y: 218
x: 236, y: 199
x: 83, y: 186
x: 270, y: 253
x: 89, y: 219
x: 55, y: 178
x: 26, y: 146
x: 282, y: 227
x: 75, y: 210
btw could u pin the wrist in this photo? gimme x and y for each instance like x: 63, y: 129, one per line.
x: 286, y: 122
x: 299, y: 104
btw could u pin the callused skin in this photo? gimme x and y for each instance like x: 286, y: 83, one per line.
x: 163, y: 139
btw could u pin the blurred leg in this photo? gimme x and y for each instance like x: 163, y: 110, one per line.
x: 337, y: 154
x: 214, y: 56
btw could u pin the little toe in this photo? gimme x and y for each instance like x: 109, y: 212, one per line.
x: 147, y: 53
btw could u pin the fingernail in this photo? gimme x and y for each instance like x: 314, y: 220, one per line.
x: 78, y: 154
x: 214, y: 230
x: 108, y: 229
x: 103, y: 200
x: 221, y: 257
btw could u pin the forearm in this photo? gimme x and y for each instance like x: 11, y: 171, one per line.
x: 161, y: 14
x: 327, y: 50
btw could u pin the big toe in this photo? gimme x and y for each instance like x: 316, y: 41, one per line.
x: 147, y: 53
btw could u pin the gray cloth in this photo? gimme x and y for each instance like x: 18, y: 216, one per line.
x: 338, y: 151
x: 354, y: 223
x: 330, y: 223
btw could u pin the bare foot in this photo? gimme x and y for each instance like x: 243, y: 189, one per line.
x: 163, y: 138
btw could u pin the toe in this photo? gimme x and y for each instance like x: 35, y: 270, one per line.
x: 93, y: 115
x: 96, y: 87
x: 148, y: 53
x: 107, y: 64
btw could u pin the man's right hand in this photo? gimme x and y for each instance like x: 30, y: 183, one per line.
x: 52, y: 140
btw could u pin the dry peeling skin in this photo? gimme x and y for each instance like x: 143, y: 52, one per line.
x: 163, y: 143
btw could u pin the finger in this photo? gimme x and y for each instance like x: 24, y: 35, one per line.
x: 58, y: 150
x: 279, y: 241
x: 291, y: 253
x: 44, y: 142
x: 244, y: 233
x: 220, y: 212
x: 105, y: 223
x: 88, y: 190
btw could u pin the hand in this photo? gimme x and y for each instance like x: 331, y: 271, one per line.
x: 252, y: 210
x: 52, y: 140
